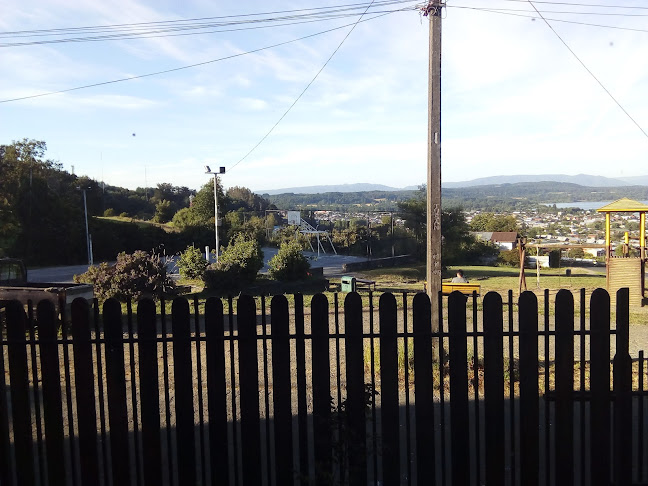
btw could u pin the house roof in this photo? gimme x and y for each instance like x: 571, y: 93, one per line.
x: 624, y: 205
x: 504, y: 236
x: 483, y: 235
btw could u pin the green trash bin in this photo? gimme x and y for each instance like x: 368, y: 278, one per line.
x: 348, y: 284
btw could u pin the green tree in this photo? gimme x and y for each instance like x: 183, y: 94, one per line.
x: 38, y: 205
x: 576, y: 253
x: 492, y: 222
x: 238, y: 265
x: 203, y: 203
x: 289, y: 263
x: 186, y: 218
x: 242, y: 198
x: 163, y: 211
x: 191, y: 263
x: 414, y: 213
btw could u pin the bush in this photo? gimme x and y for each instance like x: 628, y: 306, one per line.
x: 135, y: 275
x: 123, y: 215
x: 509, y: 258
x: 109, y: 212
x: 191, y: 263
x: 289, y: 263
x: 239, y: 264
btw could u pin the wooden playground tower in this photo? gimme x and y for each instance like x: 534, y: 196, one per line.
x: 626, y: 270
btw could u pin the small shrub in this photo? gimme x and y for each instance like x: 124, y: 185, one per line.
x: 289, y: 263
x: 191, y: 263
x: 109, y: 212
x: 239, y: 264
x: 510, y: 258
x: 123, y: 215
x: 135, y: 275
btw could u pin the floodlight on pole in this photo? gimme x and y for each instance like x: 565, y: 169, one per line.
x: 221, y: 171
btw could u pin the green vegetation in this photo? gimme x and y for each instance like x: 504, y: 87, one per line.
x: 459, y: 246
x: 191, y: 263
x: 135, y: 275
x: 41, y: 202
x: 289, y: 263
x: 237, y: 266
x: 492, y: 222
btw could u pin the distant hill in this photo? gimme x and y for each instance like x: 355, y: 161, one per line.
x: 635, y: 181
x: 580, y: 179
x: 359, y: 187
x: 493, y: 197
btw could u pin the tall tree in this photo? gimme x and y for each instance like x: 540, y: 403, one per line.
x: 39, y: 207
x: 493, y: 222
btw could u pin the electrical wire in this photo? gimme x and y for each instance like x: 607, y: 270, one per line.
x: 563, y: 12
x: 305, y: 89
x: 162, y: 28
x: 588, y: 70
x: 332, y: 7
x: 152, y: 34
x: 533, y: 16
x: 166, y: 71
x: 572, y: 4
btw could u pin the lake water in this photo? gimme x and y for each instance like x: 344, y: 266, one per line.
x: 586, y: 204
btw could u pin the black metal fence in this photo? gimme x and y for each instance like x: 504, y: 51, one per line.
x: 318, y: 396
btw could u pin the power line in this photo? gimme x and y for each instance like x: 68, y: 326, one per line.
x: 589, y: 71
x: 533, y: 16
x: 563, y: 12
x: 151, y: 35
x: 197, y: 26
x: 181, y: 68
x: 305, y: 89
x: 332, y: 7
x: 573, y: 4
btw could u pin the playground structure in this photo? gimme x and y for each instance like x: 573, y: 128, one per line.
x: 305, y: 228
x: 626, y: 270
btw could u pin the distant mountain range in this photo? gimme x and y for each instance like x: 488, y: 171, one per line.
x: 580, y: 179
x: 359, y: 187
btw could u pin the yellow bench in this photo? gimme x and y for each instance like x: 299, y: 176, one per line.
x: 465, y: 288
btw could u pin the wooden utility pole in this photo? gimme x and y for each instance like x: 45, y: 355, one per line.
x: 433, y: 274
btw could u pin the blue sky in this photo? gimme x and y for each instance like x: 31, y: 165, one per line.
x: 515, y: 100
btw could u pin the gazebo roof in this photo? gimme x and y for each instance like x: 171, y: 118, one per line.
x: 624, y: 205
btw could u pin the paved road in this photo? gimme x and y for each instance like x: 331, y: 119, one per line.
x: 55, y: 274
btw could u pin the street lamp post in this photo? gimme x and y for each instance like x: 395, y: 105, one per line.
x: 85, y: 210
x: 220, y: 171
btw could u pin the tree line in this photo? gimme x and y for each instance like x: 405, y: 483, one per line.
x: 42, y: 220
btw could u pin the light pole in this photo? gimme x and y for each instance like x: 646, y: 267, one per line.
x: 220, y: 171
x: 85, y: 209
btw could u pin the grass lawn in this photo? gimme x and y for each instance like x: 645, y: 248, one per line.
x: 410, y: 278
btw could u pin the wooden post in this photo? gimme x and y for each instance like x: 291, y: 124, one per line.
x: 642, y: 235
x: 433, y: 274
x: 608, y: 250
x: 522, y: 253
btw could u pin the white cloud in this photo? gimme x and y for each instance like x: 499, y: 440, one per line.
x: 252, y: 104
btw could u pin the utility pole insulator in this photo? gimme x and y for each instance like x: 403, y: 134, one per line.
x: 432, y: 9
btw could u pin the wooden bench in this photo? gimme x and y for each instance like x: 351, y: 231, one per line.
x: 465, y: 288
x: 365, y: 283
